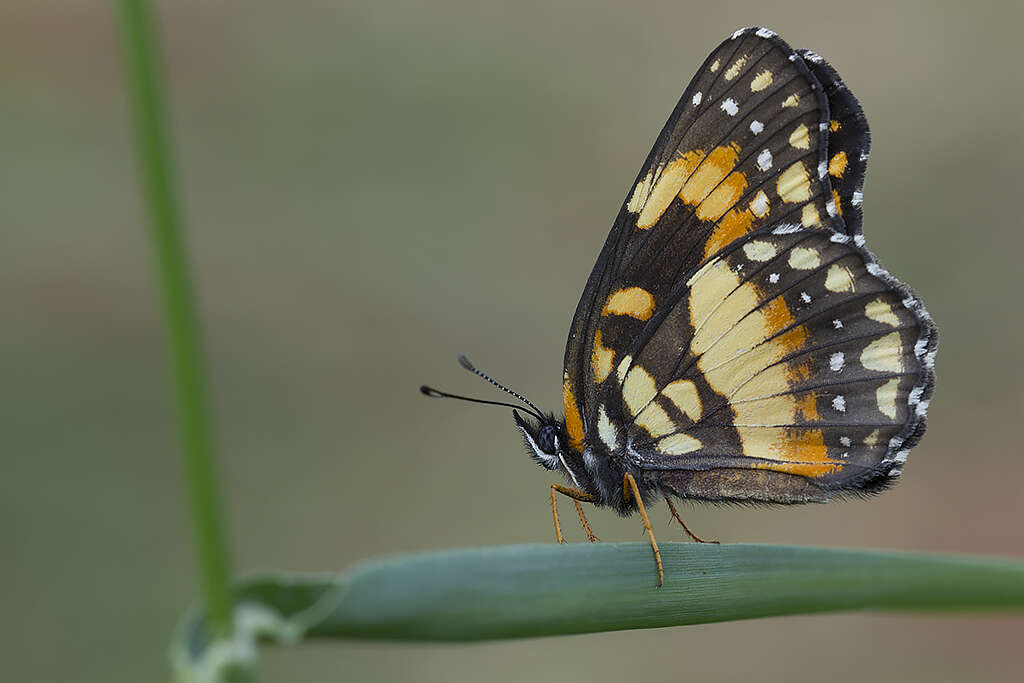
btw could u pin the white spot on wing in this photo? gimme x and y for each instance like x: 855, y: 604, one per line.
x: 858, y: 198
x: 836, y: 361
x: 845, y: 440
x: 786, y: 228
x: 837, y: 323
x: 765, y: 33
x: 839, y: 403
x: 805, y: 297
x: 773, y: 278
x: 822, y: 169
x: 697, y: 97
x: 730, y: 107
x: 756, y: 126
x: 764, y: 160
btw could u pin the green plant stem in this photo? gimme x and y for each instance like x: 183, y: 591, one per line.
x: 139, y: 49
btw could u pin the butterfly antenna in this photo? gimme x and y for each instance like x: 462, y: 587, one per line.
x: 464, y: 362
x: 435, y: 393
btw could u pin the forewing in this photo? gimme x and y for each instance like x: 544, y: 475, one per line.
x: 745, y: 147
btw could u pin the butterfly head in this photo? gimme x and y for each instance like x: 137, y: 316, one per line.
x: 543, y: 440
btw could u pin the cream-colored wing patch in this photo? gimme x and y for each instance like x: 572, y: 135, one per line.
x: 639, y: 389
x: 800, y: 138
x: 641, y: 192
x: 734, y: 70
x: 606, y: 430
x: 602, y: 359
x: 683, y: 393
x: 623, y: 368
x: 678, y: 444
x: 794, y: 185
x: 759, y: 251
x: 839, y: 279
x: 884, y: 354
x: 655, y: 420
x: 802, y: 258
x: 880, y: 311
x: 761, y: 81
x: 809, y: 216
x: 886, y: 396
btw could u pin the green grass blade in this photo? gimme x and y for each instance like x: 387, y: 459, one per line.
x: 545, y: 590
x: 144, y: 86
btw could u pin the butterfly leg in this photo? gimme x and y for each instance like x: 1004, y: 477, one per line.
x: 672, y: 509
x: 583, y: 520
x: 629, y: 488
x: 577, y: 496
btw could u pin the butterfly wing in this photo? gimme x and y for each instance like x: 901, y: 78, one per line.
x: 849, y: 144
x: 698, y: 343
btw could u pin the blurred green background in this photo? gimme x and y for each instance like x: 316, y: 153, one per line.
x: 372, y: 188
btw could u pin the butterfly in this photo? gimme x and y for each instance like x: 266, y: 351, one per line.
x: 735, y: 341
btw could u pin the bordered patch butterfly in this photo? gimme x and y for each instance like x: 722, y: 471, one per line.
x: 735, y: 341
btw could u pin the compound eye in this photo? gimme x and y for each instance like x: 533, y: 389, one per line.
x: 547, y: 439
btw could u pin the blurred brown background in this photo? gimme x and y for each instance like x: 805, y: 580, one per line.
x: 372, y: 188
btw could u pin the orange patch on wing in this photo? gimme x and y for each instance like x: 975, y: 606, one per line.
x: 835, y: 200
x: 635, y: 302
x: 777, y: 315
x: 733, y: 225
x: 723, y: 197
x: 808, y: 407
x: 709, y: 174
x: 834, y: 125
x: 573, y: 421
x: 837, y: 165
x: 803, y: 453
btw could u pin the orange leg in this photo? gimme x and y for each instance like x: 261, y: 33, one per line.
x: 577, y: 496
x: 583, y: 520
x: 679, y: 519
x: 629, y: 488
